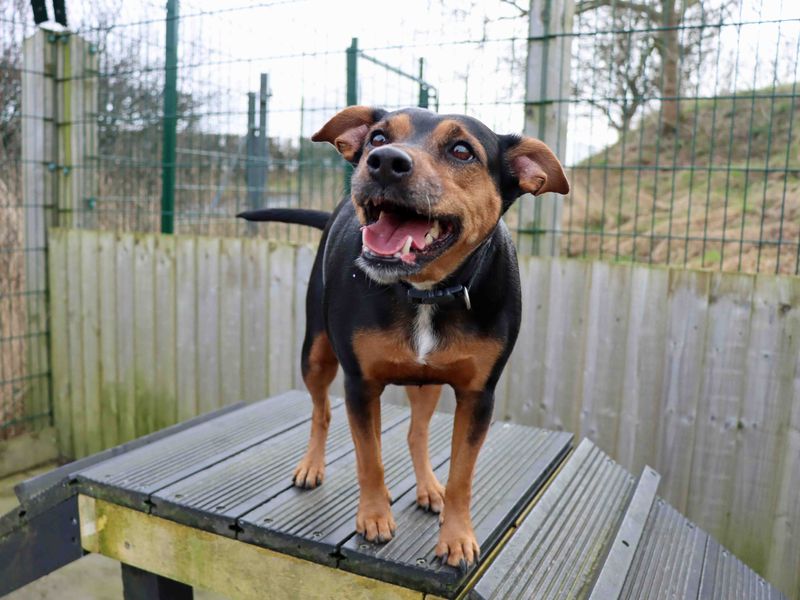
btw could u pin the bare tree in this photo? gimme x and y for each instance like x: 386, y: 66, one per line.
x: 637, y: 49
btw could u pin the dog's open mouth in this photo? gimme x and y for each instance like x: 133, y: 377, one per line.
x: 397, y: 232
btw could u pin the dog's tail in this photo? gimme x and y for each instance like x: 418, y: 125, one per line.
x: 300, y: 216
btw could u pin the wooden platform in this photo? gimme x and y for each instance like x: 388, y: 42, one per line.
x: 210, y: 504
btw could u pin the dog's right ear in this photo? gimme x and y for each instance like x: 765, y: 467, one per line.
x: 347, y: 130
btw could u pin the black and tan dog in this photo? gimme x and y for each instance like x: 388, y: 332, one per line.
x: 416, y: 283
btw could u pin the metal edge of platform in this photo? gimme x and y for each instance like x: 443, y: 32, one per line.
x: 617, y: 563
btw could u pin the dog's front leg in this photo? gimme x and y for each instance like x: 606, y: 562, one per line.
x: 363, y: 400
x: 457, y: 543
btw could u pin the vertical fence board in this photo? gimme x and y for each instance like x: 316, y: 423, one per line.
x: 255, y: 318
x: 604, y: 353
x: 685, y: 338
x: 144, y: 333
x: 60, y: 345
x: 525, y: 369
x: 564, y: 343
x: 784, y: 555
x: 75, y: 333
x: 107, y: 367
x: 642, y: 373
x: 186, y: 299
x: 719, y: 402
x: 90, y: 342
x: 281, y: 319
x: 207, y: 324
x: 303, y: 262
x: 125, y: 333
x: 164, y: 392
x: 769, y: 379
x: 230, y: 320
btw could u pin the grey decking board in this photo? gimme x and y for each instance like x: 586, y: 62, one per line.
x: 312, y: 524
x: 510, y: 453
x: 617, y: 564
x: 214, y: 498
x: 668, y: 540
x: 129, y: 479
x: 725, y: 577
x: 552, y: 553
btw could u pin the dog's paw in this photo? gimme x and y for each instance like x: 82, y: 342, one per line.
x: 374, y: 519
x: 457, y: 545
x: 310, y: 472
x: 430, y: 494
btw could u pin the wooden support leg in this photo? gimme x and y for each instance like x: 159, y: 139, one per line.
x: 143, y: 585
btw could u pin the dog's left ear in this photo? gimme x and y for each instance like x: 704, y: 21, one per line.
x: 347, y: 130
x: 534, y: 165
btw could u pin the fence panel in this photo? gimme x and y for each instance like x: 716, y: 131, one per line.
x: 694, y: 373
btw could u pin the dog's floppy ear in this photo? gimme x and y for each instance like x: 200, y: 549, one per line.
x: 347, y: 130
x: 535, y: 166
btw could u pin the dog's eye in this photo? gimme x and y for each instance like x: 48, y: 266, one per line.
x: 378, y: 139
x: 462, y: 151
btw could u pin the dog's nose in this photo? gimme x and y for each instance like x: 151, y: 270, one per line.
x: 389, y: 165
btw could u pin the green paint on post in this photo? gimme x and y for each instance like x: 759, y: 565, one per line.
x: 170, y: 121
x: 423, y: 87
x: 352, y: 97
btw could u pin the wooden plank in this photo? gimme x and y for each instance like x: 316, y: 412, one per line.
x: 75, y: 353
x: 643, y: 370
x: 90, y: 341
x: 125, y: 340
x: 214, y: 562
x: 784, y: 552
x: 683, y: 368
x: 207, y: 324
x: 720, y: 400
x: 564, y: 344
x: 526, y: 367
x: 255, y: 318
x: 166, y: 353
x: 304, y: 260
x: 59, y: 342
x: 107, y: 358
x: 281, y: 319
x: 769, y: 380
x: 186, y: 300
x: 144, y: 333
x: 38, y: 134
x: 604, y: 353
x: 230, y: 320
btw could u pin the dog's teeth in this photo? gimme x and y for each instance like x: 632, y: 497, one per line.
x: 435, y: 230
x: 398, y: 255
x: 428, y: 239
x: 407, y: 246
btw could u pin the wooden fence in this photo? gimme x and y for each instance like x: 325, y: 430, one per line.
x: 694, y: 373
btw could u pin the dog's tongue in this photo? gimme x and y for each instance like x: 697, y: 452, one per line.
x: 388, y: 234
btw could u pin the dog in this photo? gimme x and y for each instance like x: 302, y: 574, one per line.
x: 415, y: 283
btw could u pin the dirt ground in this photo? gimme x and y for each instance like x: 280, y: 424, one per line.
x: 93, y: 577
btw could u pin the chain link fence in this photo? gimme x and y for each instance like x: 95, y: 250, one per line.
x: 681, y: 143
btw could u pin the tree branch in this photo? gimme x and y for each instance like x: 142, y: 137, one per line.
x: 637, y: 7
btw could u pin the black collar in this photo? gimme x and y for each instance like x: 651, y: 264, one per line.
x: 452, y: 293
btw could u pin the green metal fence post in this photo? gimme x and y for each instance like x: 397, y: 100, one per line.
x: 352, y: 96
x: 423, y: 89
x: 170, y: 121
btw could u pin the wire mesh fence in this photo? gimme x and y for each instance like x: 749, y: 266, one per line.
x: 681, y: 143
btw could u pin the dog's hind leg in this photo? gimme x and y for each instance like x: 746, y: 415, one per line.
x: 423, y: 400
x: 319, y: 366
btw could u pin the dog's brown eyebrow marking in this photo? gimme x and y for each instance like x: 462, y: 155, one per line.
x: 399, y: 127
x: 449, y: 130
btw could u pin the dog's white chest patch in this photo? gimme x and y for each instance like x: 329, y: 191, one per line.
x: 424, y: 336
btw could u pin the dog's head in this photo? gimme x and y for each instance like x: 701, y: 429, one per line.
x: 429, y: 188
